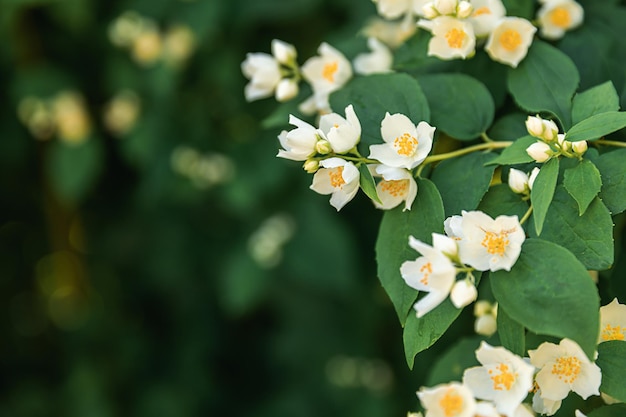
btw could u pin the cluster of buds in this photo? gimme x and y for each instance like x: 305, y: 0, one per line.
x: 459, y: 9
x: 551, y: 143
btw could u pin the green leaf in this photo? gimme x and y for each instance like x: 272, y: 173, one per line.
x: 599, y: 99
x: 462, y: 119
x: 521, y: 8
x: 73, y: 169
x: 392, y: 246
x: 545, y: 81
x: 450, y: 365
x: 613, y: 173
x: 509, y: 127
x: 367, y: 183
x: 583, y: 183
x: 374, y: 95
x: 596, y: 126
x: 501, y: 200
x: 463, y: 181
x: 614, y: 410
x: 589, y: 237
x: 516, y: 153
x: 549, y: 292
x: 512, y: 334
x: 543, y: 190
x: 612, y: 362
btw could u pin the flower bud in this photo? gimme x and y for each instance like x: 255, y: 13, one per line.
x: 283, y: 52
x: 565, y: 145
x: 446, y: 7
x: 311, y: 166
x: 429, y: 11
x: 463, y: 293
x: 323, y: 147
x: 579, y: 147
x: 286, y: 89
x: 518, y: 181
x: 486, y: 325
x: 482, y: 307
x: 464, y: 9
x: 534, y: 126
x: 532, y: 177
x: 550, y: 130
x: 539, y: 151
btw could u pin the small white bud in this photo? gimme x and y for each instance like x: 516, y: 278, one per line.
x: 463, y: 293
x: 532, y: 177
x: 486, y: 325
x: 464, y: 9
x: 446, y: 7
x: 518, y: 181
x: 482, y: 307
x: 565, y: 145
x: 534, y: 126
x: 323, y: 147
x: 286, y: 89
x: 311, y: 166
x: 283, y: 52
x: 579, y: 147
x: 550, y: 130
x: 539, y: 151
x: 429, y: 11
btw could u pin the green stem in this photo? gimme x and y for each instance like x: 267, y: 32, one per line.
x: 460, y: 152
x: 610, y: 143
x: 526, y: 215
x: 356, y: 159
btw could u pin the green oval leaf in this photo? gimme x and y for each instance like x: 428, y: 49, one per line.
x: 549, y: 292
x: 462, y: 119
x: 545, y: 81
x: 392, y: 246
x: 612, y: 362
x: 583, y: 183
x: 367, y: 183
x: 596, y: 126
x: 516, y: 153
x: 599, y: 99
x: 613, y: 173
x: 542, y: 192
x: 512, y: 334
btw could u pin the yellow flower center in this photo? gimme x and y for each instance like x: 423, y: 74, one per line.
x: 426, y: 270
x: 455, y: 38
x: 336, y: 177
x: 502, y: 377
x: 451, y: 403
x: 613, y: 333
x: 510, y: 39
x: 560, y: 17
x: 566, y: 368
x: 405, y: 145
x: 329, y: 70
x: 496, y: 243
x: 396, y: 188
x: 481, y: 11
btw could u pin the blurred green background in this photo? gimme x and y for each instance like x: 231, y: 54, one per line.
x: 156, y: 258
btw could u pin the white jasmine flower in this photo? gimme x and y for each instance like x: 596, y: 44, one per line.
x: 564, y: 368
x: 326, y: 73
x: 284, y: 52
x: 263, y: 71
x: 539, y: 151
x: 392, y: 34
x: 377, y: 61
x: 433, y: 272
x: 452, y: 38
x: 486, y: 15
x: 543, y: 405
x: 448, y: 400
x: 558, y: 16
x: 446, y: 244
x: 532, y: 177
x: 337, y: 177
x: 392, y: 9
x: 300, y: 143
x: 463, y: 293
x: 486, y: 409
x: 396, y: 186
x: 342, y: 133
x: 453, y: 227
x: 406, y: 145
x: 612, y: 322
x: 518, y: 181
x: 509, y: 41
x: 489, y: 244
x: 503, y: 378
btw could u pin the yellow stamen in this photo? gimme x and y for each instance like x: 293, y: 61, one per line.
x: 329, y: 70
x: 504, y: 380
x: 396, y: 188
x: 426, y: 270
x: 482, y: 10
x: 510, y: 39
x: 336, y: 177
x: 613, y: 333
x: 455, y: 38
x: 405, y: 145
x: 496, y: 243
x: 451, y: 403
x: 560, y: 17
x: 567, y: 368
